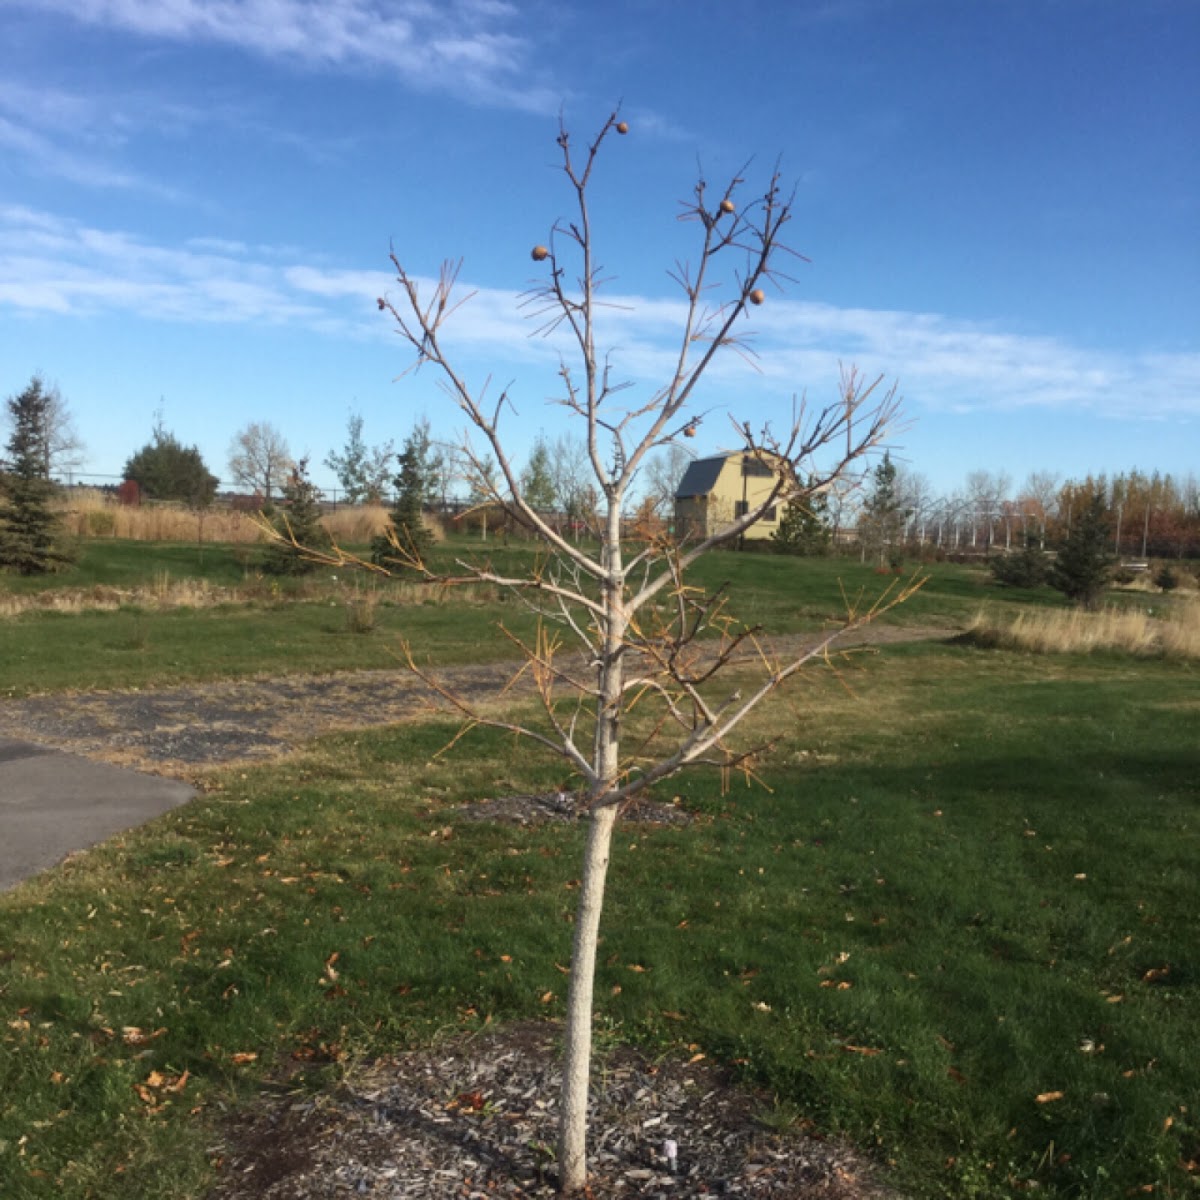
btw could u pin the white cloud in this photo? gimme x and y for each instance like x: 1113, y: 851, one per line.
x: 63, y: 268
x: 470, y: 48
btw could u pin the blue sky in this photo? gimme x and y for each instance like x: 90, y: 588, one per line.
x: 999, y: 201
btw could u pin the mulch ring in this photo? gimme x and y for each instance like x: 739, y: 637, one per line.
x: 476, y: 1118
x: 564, y: 807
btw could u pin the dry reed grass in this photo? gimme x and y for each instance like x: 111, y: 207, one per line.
x: 1171, y: 630
x: 1185, y: 581
x: 91, y: 513
x: 164, y: 593
x: 355, y: 526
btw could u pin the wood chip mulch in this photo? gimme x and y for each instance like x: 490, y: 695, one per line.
x: 475, y: 1118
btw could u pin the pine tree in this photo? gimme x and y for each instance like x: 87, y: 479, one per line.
x: 1081, y: 570
x: 412, y: 538
x: 882, y: 524
x: 804, y: 527
x: 537, y: 480
x: 30, y: 531
x: 166, y: 469
x: 298, y: 520
x: 1026, y: 569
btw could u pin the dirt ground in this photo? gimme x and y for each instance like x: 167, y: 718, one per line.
x: 184, y: 731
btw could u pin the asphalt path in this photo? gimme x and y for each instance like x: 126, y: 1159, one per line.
x: 52, y: 804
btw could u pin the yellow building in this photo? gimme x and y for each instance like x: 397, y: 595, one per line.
x: 714, y: 492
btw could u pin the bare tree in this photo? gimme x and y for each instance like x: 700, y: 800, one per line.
x: 986, y: 492
x: 1039, y: 499
x: 663, y: 474
x: 645, y: 697
x: 259, y: 459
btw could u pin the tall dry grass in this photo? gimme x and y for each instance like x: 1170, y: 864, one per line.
x: 90, y: 513
x: 163, y: 593
x: 1171, y: 630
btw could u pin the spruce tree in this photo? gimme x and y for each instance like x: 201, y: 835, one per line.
x: 1082, y: 568
x: 412, y: 536
x: 30, y: 531
x: 1026, y: 569
x: 298, y: 520
x: 804, y: 528
x: 881, y: 527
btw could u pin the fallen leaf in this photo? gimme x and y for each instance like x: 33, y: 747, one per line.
x: 695, y: 1058
x: 546, y: 997
x: 1048, y: 1097
x: 867, y: 1051
x: 1155, y: 974
x: 761, y: 1006
x: 243, y: 1056
x: 638, y: 968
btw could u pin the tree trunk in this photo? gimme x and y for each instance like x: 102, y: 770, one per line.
x: 572, y: 1138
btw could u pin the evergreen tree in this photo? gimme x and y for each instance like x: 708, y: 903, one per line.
x: 1081, y: 570
x: 165, y: 469
x: 537, y: 480
x: 1026, y: 569
x: 299, y: 521
x: 30, y: 532
x: 882, y: 524
x: 1165, y: 579
x: 804, y: 527
x: 412, y: 536
x: 362, y: 470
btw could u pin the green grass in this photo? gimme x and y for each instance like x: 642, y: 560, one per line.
x: 995, y: 852
x: 47, y: 652
x: 290, y: 626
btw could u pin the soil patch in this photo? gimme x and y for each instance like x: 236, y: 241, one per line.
x: 185, y: 730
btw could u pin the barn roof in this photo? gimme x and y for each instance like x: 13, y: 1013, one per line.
x: 700, y: 477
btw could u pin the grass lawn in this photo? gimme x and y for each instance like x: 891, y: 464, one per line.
x: 961, y: 927
x: 241, y: 624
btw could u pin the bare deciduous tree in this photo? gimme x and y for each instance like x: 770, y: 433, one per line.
x: 664, y: 472
x: 259, y: 459
x: 646, y: 697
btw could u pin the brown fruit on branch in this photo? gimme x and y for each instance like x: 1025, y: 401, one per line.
x: 539, y: 253
x: 622, y: 126
x: 757, y: 296
x: 727, y: 205
x: 690, y: 431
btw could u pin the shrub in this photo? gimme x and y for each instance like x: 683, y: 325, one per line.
x: 1027, y: 568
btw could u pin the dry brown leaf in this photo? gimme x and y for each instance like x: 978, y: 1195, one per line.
x: 243, y: 1056
x: 1048, y: 1097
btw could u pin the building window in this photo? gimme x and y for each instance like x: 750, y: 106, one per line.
x: 740, y: 509
x: 770, y: 514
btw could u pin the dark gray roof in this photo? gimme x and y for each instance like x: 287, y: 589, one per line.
x: 700, y: 477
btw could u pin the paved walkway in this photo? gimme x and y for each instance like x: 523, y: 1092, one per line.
x: 52, y: 803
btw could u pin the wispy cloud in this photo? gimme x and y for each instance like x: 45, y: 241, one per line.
x: 67, y: 136
x: 61, y: 268
x: 474, y: 48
